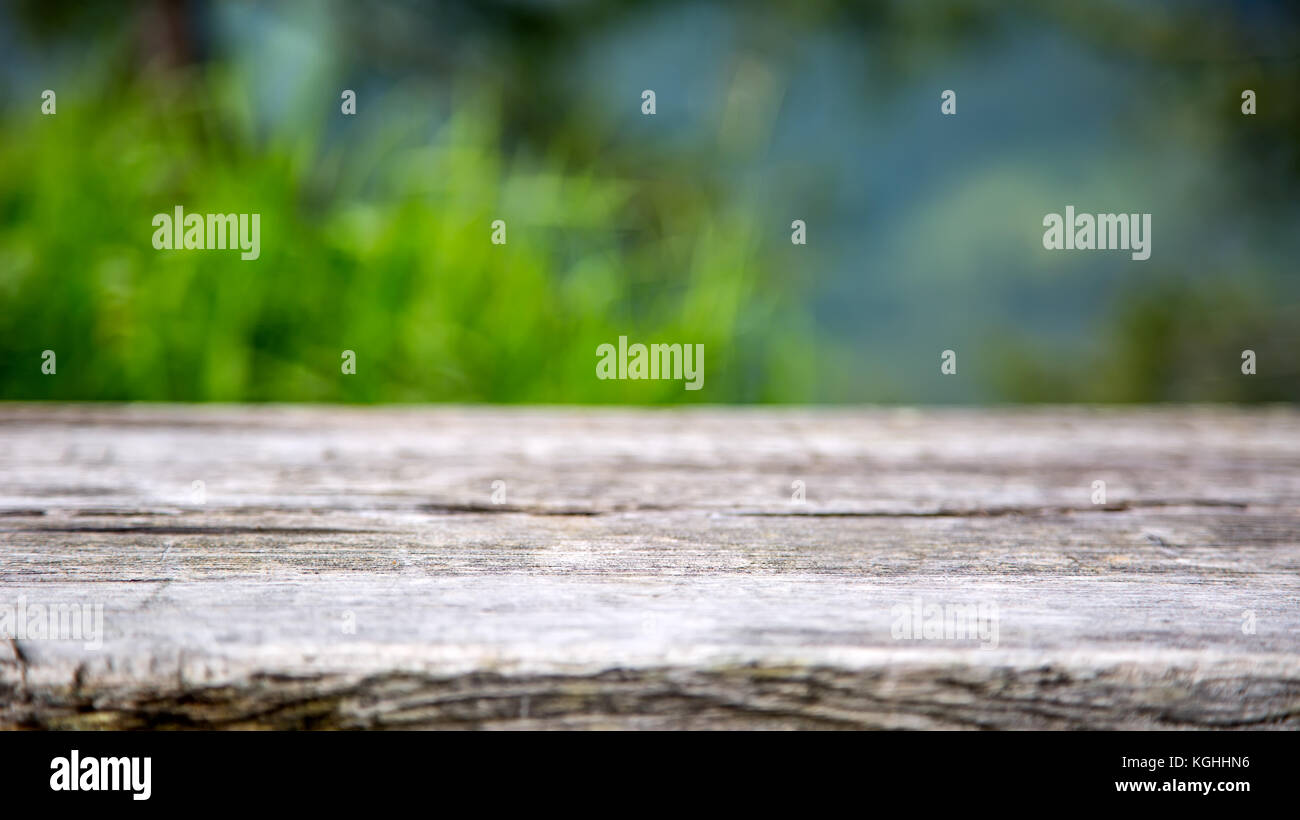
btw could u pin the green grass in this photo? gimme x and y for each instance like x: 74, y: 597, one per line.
x: 375, y: 238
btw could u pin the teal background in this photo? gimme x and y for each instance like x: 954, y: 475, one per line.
x: 924, y: 231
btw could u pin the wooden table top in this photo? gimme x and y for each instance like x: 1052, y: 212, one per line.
x: 342, y: 567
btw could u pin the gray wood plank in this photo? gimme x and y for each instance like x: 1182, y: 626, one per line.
x: 347, y: 567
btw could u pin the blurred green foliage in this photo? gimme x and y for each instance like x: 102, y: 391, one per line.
x: 672, y: 229
x: 1167, y: 340
x: 375, y: 241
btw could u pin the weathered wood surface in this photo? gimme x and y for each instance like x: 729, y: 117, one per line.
x: 649, y: 568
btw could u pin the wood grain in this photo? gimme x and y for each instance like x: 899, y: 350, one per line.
x: 648, y: 568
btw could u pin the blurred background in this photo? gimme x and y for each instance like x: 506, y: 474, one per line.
x: 924, y: 231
